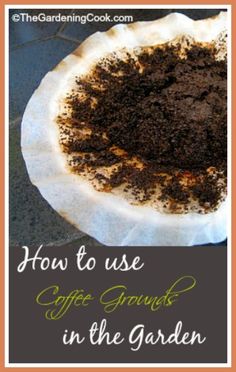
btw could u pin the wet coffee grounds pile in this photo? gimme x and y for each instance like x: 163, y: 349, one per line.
x: 157, y: 122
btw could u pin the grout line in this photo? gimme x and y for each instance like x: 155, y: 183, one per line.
x: 55, y: 36
x: 57, y: 243
x: 69, y: 240
x: 31, y: 42
x: 13, y: 123
x: 62, y: 27
x: 66, y: 38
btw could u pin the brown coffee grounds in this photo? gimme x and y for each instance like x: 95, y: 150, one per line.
x: 156, y: 121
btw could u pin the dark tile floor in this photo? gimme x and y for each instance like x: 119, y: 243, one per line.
x: 35, y: 48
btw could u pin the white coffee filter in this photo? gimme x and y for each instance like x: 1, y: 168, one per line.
x: 107, y: 217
